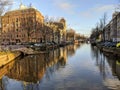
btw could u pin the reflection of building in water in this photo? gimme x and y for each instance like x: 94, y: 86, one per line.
x: 33, y: 68
x: 63, y: 55
x: 5, y: 69
x: 111, y: 73
x: 78, y: 45
x: 75, y: 47
x: 71, y: 50
x: 108, y: 68
x: 114, y: 63
x: 29, y: 71
x: 118, y: 68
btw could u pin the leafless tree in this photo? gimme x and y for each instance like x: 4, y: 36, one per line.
x: 99, y: 27
x: 49, y: 26
x: 104, y: 19
x: 5, y: 5
x: 45, y: 29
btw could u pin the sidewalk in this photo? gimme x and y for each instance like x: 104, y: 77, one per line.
x: 6, y: 57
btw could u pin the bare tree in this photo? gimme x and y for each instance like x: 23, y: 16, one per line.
x: 5, y: 5
x: 49, y: 26
x: 104, y: 19
x: 46, y: 30
x: 99, y: 27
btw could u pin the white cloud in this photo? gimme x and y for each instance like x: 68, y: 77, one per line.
x: 86, y: 14
x: 64, y: 5
x: 97, y: 10
x: 104, y: 8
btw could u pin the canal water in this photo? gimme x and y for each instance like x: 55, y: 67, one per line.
x: 74, y: 67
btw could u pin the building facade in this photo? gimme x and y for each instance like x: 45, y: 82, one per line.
x: 22, y: 25
x: 118, y: 27
x: 114, y: 27
x: 111, y: 31
x: 107, y: 32
x: 56, y: 31
x: 70, y: 36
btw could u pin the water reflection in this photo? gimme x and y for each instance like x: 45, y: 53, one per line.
x: 72, y: 48
x: 109, y: 67
x: 27, y: 73
x: 5, y: 69
x: 56, y: 70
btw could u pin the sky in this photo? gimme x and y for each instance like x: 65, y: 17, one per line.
x: 81, y: 15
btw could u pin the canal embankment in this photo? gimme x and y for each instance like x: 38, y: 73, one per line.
x: 110, y: 50
x: 15, y: 51
x: 75, y: 66
x: 8, y: 56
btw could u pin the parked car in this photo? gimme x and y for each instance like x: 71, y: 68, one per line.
x: 101, y: 43
x: 106, y: 44
x: 38, y: 44
x: 113, y: 44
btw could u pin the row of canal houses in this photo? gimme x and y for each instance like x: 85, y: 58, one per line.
x: 28, y: 25
x: 111, y: 31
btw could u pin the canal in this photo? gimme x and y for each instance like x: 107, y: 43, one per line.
x: 74, y: 67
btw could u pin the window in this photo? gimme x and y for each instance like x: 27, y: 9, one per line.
x: 16, y: 19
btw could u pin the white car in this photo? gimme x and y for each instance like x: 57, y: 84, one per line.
x: 38, y: 44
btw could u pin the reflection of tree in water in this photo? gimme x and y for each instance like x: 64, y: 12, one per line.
x: 96, y: 54
x: 58, y: 63
x: 50, y: 70
x: 117, y: 70
x: 32, y: 68
x: 71, y: 50
x: 1, y: 85
x: 29, y: 69
x: 78, y: 45
x: 113, y: 75
x: 5, y: 69
x: 114, y: 63
x: 100, y: 60
x: 108, y: 68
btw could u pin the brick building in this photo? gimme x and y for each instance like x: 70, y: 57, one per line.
x: 70, y: 36
x: 56, y: 31
x: 22, y: 25
x: 118, y: 27
x: 114, y: 26
x: 112, y: 29
x: 107, y: 32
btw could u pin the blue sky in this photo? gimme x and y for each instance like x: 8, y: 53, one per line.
x: 81, y: 15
